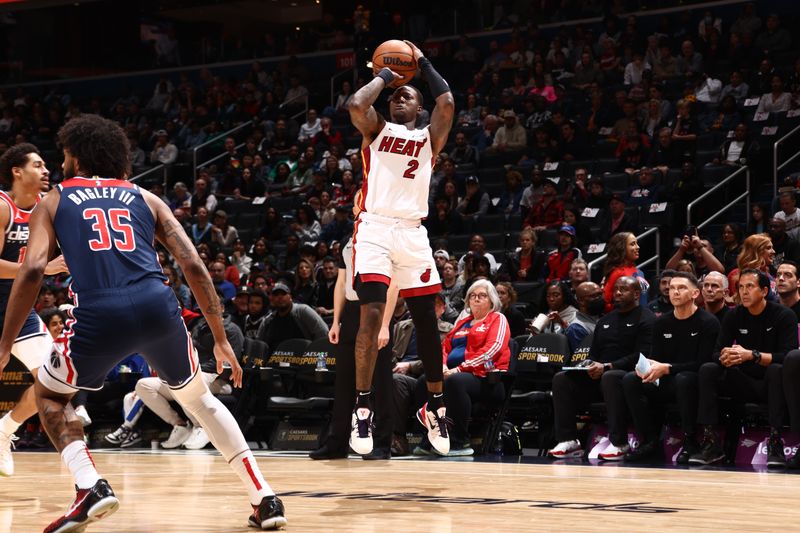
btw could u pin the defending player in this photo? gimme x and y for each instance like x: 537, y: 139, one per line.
x: 23, y: 168
x: 389, y: 240
x: 106, y: 228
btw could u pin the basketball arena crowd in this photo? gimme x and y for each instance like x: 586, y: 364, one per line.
x: 568, y: 145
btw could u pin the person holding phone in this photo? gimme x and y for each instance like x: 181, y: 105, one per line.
x: 697, y: 250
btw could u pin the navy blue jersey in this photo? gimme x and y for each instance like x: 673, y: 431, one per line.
x: 106, y: 232
x: 16, y: 243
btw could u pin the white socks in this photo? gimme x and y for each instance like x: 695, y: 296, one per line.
x: 8, y: 425
x: 81, y: 465
x: 246, y: 468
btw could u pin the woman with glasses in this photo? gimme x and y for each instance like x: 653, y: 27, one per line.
x: 475, y: 347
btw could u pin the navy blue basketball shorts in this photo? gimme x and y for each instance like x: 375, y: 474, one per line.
x: 105, y: 326
x: 34, y: 343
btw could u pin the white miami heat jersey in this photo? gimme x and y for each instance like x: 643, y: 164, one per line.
x: 397, y: 173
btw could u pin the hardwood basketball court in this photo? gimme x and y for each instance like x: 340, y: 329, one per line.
x: 168, y: 492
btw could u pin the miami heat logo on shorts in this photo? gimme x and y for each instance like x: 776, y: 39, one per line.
x: 426, y: 276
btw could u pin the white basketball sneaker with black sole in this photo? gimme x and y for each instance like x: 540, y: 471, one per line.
x: 361, y: 431
x: 437, y: 424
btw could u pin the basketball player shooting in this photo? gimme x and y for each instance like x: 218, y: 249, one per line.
x: 106, y: 227
x: 389, y: 240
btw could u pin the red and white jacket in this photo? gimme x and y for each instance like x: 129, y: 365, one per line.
x: 485, y: 340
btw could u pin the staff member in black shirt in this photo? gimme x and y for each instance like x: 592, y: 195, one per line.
x: 715, y: 287
x: 786, y: 286
x: 618, y: 339
x: 682, y: 340
x: 748, y: 365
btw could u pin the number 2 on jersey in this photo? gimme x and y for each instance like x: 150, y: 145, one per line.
x: 413, y: 165
x: 114, y: 219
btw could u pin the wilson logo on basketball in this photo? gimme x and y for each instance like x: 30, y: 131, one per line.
x: 397, y: 62
x: 426, y: 276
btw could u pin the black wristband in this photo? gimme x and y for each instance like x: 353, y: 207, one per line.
x: 386, y: 75
x: 435, y: 81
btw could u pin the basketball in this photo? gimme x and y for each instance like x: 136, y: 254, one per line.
x: 399, y: 57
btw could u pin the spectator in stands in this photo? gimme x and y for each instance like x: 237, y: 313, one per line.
x: 256, y: 311
x: 548, y: 213
x: 327, y: 209
x: 510, y: 137
x: 617, y: 220
x: 665, y: 154
x: 526, y: 263
x: 689, y: 62
x: 306, y: 289
x: 736, y: 88
x: 485, y: 137
x: 470, y: 115
x: 730, y: 247
x: 557, y: 303
x: 633, y: 156
x: 706, y: 89
x: 773, y: 38
x: 786, y: 285
x: 697, y: 251
x: 326, y: 286
x: 667, y: 65
x: 587, y: 72
x: 789, y: 213
x: 714, y: 292
x: 476, y: 346
x: 589, y: 297
x: 598, y: 196
x: 239, y: 258
x: 508, y: 297
x: 652, y: 118
x: 619, y: 338
x: 477, y: 245
x: 344, y: 193
x: 180, y: 197
x: 306, y: 227
x: 757, y: 253
x: 289, y: 320
x: 310, y: 127
x: 164, y: 152
x: 758, y: 219
x: 661, y: 304
x: 217, y: 271
x: 222, y: 233
x: 676, y: 356
x: 202, y: 195
x: 623, y: 252
x: 748, y: 21
x: 340, y: 227
x: 559, y: 261
x: 274, y: 228
x: 407, y: 368
x: 684, y: 133
x: 776, y: 101
x: 572, y: 146
x: 786, y: 248
x: 289, y: 258
x: 476, y: 201
x: 201, y: 230
x: 452, y: 286
x: 249, y: 187
x: 511, y: 196
x: 443, y: 220
x: 463, y: 153
x: 326, y: 137
x: 738, y: 151
x: 533, y: 192
x: 635, y: 69
x: 747, y: 365
x: 543, y: 149
x: 646, y: 191
x: 181, y: 291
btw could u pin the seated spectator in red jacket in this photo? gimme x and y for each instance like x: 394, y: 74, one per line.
x: 476, y: 346
x: 547, y: 212
x: 560, y: 260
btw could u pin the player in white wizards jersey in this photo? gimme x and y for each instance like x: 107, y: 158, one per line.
x: 389, y: 241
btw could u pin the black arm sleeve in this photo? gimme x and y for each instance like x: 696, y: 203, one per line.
x: 435, y: 81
